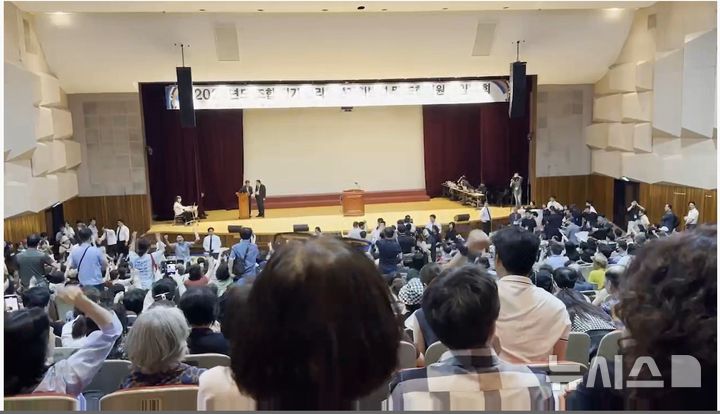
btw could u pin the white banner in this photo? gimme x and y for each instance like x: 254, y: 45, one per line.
x: 223, y: 96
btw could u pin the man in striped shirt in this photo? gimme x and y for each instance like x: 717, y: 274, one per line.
x: 462, y: 307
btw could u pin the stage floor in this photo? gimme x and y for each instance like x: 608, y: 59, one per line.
x: 330, y: 218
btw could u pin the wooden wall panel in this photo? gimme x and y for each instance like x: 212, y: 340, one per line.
x: 133, y: 209
x: 654, y: 197
x: 576, y: 189
x: 18, y: 228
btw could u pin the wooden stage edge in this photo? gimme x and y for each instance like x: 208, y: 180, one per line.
x: 328, y: 218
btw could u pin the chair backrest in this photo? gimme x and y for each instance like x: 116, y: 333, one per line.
x: 111, y: 374
x: 609, y: 345
x: 61, y: 353
x: 208, y: 360
x: 578, y: 348
x: 407, y: 355
x: 167, y: 398
x: 434, y: 352
x: 41, y: 402
x: 560, y: 371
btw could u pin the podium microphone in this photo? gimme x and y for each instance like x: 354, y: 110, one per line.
x: 356, y: 184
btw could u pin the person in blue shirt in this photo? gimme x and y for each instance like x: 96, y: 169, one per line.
x: 245, y: 254
x: 182, y: 247
x: 89, y: 260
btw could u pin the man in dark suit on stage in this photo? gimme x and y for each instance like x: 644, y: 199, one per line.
x: 247, y: 188
x: 260, y: 197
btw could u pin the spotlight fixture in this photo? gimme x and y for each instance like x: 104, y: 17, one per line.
x: 624, y: 178
x: 361, y: 8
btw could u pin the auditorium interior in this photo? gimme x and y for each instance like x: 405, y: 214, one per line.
x: 264, y: 123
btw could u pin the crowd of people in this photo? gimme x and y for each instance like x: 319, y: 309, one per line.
x: 316, y: 323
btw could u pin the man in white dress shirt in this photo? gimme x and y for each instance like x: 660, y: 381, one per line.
x: 123, y: 237
x: 212, y: 243
x: 691, y: 220
x: 553, y: 203
x: 93, y: 228
x: 182, y: 211
x: 110, y: 237
x: 485, y: 219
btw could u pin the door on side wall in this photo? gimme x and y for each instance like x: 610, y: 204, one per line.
x: 624, y: 194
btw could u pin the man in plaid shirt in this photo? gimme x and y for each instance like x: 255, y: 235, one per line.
x: 462, y: 307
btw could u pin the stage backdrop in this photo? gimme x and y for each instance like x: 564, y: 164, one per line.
x: 475, y: 140
x: 202, y: 164
x: 325, y: 150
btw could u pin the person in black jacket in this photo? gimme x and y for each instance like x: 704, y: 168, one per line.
x: 553, y: 224
x: 260, y: 193
x: 199, y: 304
x: 669, y: 220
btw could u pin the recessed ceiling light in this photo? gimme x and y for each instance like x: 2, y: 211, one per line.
x: 445, y: 8
x: 506, y: 7
x: 361, y: 8
x: 324, y: 9
x: 202, y: 10
x: 260, y: 10
x: 383, y: 9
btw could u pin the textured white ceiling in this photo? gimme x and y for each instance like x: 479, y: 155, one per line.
x: 111, y: 52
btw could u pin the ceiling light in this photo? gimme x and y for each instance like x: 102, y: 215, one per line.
x: 383, y: 9
x: 361, y: 8
x: 260, y: 10
x: 324, y: 9
x: 505, y: 7
x: 624, y: 178
x: 202, y: 10
x: 445, y: 8
x: 58, y: 13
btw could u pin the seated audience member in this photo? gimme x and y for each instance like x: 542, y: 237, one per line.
x: 199, y: 305
x: 607, y: 298
x: 556, y: 258
x: 304, y: 343
x: 156, y: 346
x: 451, y: 234
x: 597, y: 275
x: 668, y: 306
x: 543, y: 279
x: 620, y: 256
x: 584, y: 316
x: 540, y: 316
x: 423, y: 336
x: 196, y: 277
x: 222, y: 279
x: 469, y: 376
x: 133, y: 301
x: 411, y: 295
x: 26, y: 336
x: 74, y: 333
x: 217, y: 384
x: 389, y: 252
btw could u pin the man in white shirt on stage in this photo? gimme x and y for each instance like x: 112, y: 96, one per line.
x: 123, y: 237
x: 212, y: 243
x: 182, y: 211
x: 691, y: 220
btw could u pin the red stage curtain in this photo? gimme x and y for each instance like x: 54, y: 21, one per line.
x: 475, y: 140
x: 190, y: 162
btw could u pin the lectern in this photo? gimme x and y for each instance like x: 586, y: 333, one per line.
x: 353, y: 202
x: 243, y: 205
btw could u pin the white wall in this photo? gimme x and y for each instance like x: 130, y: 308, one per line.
x: 663, y: 90
x: 563, y: 112
x: 324, y: 150
x: 40, y: 155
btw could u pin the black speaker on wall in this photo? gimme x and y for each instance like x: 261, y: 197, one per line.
x: 185, y: 96
x: 518, y: 90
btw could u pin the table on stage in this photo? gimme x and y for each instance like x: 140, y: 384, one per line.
x: 470, y: 197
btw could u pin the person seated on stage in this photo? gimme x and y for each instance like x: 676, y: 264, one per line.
x: 182, y: 211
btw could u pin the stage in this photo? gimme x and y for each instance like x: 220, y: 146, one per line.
x: 329, y: 218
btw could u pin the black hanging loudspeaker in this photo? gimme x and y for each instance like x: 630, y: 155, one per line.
x: 185, y: 97
x: 518, y: 90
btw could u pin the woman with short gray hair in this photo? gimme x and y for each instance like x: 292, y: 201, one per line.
x: 156, y: 346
